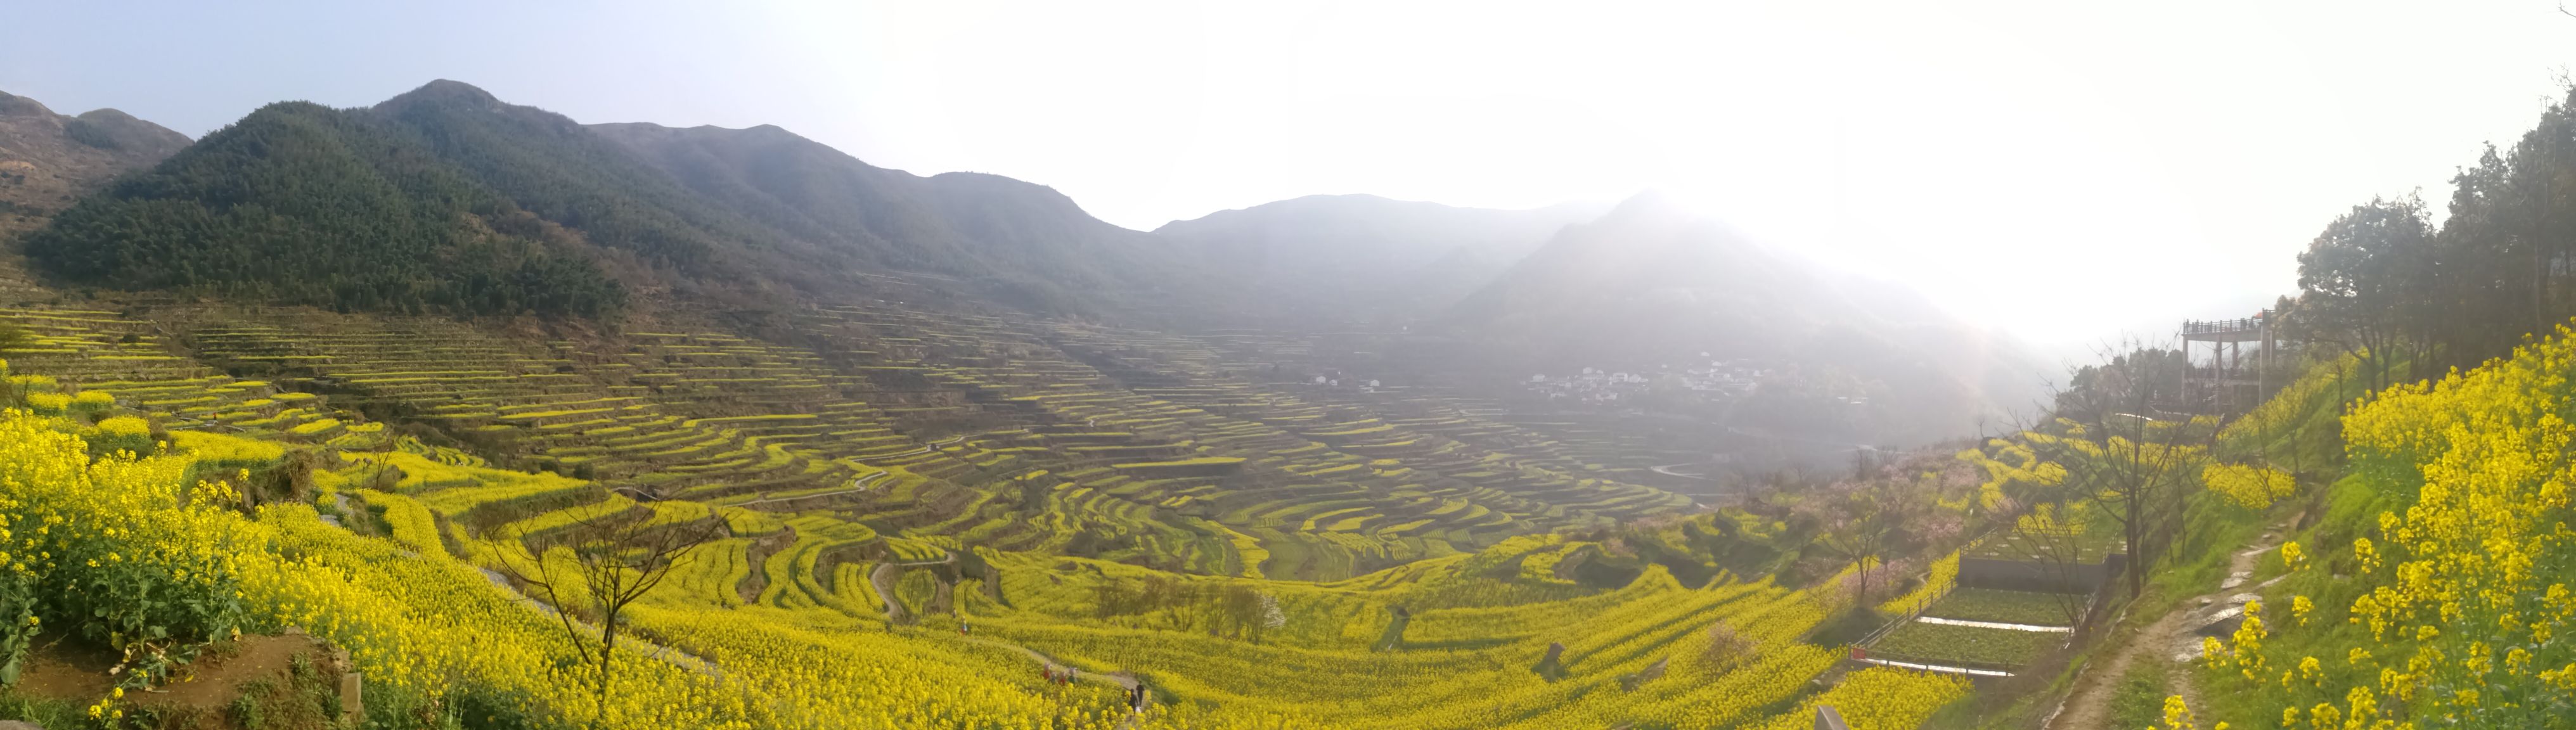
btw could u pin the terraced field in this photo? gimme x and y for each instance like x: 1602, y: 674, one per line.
x: 1322, y: 661
x: 1039, y: 436
x: 1113, y: 500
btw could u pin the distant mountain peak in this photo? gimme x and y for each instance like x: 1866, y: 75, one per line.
x: 12, y: 105
x: 445, y: 91
x: 1362, y: 257
x: 51, y: 158
x: 109, y: 129
x: 1652, y: 203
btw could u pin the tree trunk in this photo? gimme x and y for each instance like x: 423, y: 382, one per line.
x: 1861, y: 598
x: 2135, y: 531
x: 607, y: 649
x: 2540, y: 269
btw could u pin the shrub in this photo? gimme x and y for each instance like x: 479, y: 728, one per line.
x: 92, y: 401
x: 122, y: 433
x: 122, y: 551
x: 50, y: 404
x: 2251, y: 487
x: 218, y: 453
x: 1726, y: 649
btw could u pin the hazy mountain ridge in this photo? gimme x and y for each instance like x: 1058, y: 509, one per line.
x: 1652, y: 285
x: 1369, y: 257
x: 47, y: 159
x: 1013, y: 241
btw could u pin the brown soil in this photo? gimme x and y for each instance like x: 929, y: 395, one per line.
x: 198, y: 696
x: 2090, y: 705
x: 211, y: 684
x: 68, y: 673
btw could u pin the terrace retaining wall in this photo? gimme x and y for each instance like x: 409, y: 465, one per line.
x: 2024, y: 575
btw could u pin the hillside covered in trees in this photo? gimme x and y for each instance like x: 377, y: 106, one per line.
x: 446, y: 199
x: 302, y: 204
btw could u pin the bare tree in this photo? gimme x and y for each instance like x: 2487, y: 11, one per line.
x: 610, y: 560
x: 386, y: 442
x: 2042, y: 536
x: 2135, y: 466
x: 1870, y: 518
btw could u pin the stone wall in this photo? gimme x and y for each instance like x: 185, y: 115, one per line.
x: 2023, y: 575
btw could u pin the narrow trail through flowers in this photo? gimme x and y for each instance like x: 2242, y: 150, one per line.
x: 884, y: 577
x: 2089, y: 705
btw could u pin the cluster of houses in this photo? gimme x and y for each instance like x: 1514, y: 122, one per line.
x: 1720, y: 380
x: 1336, y: 380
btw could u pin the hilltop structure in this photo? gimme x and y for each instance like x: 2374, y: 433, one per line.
x: 2228, y: 383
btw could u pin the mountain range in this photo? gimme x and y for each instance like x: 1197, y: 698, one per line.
x: 448, y: 200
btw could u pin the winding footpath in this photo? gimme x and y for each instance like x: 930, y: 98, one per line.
x: 925, y: 448
x: 858, y: 485
x: 884, y: 577
x: 2089, y: 706
x: 1122, y: 679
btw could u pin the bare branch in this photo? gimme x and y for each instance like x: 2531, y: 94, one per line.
x: 620, y: 557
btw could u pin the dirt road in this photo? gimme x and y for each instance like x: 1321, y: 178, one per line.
x: 2088, y: 707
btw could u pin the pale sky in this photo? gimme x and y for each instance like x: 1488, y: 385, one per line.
x: 2062, y: 171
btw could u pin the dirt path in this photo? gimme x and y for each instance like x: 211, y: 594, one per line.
x: 856, y: 486
x: 884, y: 577
x: 1122, y: 679
x: 2089, y: 705
x: 925, y: 448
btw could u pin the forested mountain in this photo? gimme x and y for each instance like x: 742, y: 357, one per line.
x: 300, y: 203
x: 1012, y: 241
x: 1371, y: 257
x: 47, y: 159
x: 448, y: 199
x: 1651, y: 286
x: 555, y: 168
